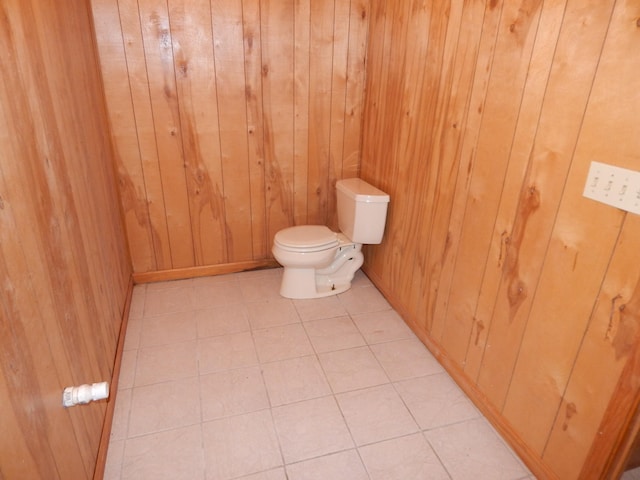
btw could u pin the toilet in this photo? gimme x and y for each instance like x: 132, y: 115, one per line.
x: 319, y: 262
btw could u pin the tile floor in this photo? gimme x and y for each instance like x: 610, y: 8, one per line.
x: 631, y: 474
x: 224, y: 379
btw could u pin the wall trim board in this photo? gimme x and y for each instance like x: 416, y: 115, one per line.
x: 202, y: 271
x: 103, y: 447
x: 525, y: 453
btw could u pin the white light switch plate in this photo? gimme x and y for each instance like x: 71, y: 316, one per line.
x: 615, y: 186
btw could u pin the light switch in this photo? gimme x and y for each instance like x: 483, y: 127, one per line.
x: 615, y: 186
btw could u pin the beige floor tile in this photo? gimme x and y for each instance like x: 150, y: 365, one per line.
x: 164, y: 406
x: 376, y: 414
x: 166, y: 329
x: 404, y: 359
x: 363, y: 300
x: 173, y: 455
x: 225, y: 352
x: 127, y: 369
x: 404, y: 458
x: 282, y: 342
x: 260, y: 273
x: 360, y: 279
x: 233, y: 392
x: 113, y: 463
x: 168, y: 300
x: 134, y: 331
x: 222, y: 320
x: 120, y: 423
x: 352, y: 369
x: 275, y: 474
x: 166, y: 362
x: 169, y: 284
x: 260, y: 288
x: 385, y: 326
x: 240, y: 445
x: 473, y: 450
x: 272, y: 313
x: 633, y: 474
x: 436, y: 400
x: 224, y: 293
x: 294, y: 380
x: 333, y: 334
x: 311, y: 428
x: 136, y: 309
x: 353, y: 341
x: 338, y: 466
x: 319, y: 308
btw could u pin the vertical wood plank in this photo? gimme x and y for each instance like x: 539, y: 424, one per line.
x: 604, y: 353
x: 123, y: 129
x: 145, y: 129
x: 448, y: 140
x: 616, y: 443
x: 320, y: 77
x: 255, y: 133
x: 356, y: 73
x: 278, y: 87
x: 63, y: 193
x: 608, y: 342
x: 230, y: 81
x: 191, y: 35
x: 550, y: 157
x: 514, y: 44
x: 571, y: 248
x: 156, y: 35
x: 302, y: 122
x: 570, y: 255
x: 26, y: 377
x: 382, y: 81
x: 63, y: 257
x: 404, y: 112
x: 449, y: 255
x: 519, y: 204
x: 443, y: 39
x: 341, y: 17
x: 379, y: 27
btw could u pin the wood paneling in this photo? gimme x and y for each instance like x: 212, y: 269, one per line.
x: 481, y: 120
x: 231, y: 120
x: 64, y: 264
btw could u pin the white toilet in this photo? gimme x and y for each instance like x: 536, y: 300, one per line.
x: 318, y: 262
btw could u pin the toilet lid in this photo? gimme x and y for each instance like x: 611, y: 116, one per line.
x: 317, y: 237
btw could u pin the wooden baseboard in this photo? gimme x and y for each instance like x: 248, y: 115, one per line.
x: 203, y: 271
x: 103, y: 448
x: 530, y: 458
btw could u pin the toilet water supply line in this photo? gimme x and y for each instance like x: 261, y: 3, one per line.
x: 84, y: 394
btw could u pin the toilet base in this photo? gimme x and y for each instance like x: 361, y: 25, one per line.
x: 301, y: 283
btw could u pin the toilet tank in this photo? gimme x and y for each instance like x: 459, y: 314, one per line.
x: 362, y: 210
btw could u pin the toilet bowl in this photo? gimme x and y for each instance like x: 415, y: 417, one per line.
x: 324, y: 266
x: 319, y: 262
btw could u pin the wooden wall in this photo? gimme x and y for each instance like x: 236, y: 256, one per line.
x: 231, y: 119
x: 481, y: 120
x: 64, y: 266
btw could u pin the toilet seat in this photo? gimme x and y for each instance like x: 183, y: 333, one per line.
x: 306, y: 238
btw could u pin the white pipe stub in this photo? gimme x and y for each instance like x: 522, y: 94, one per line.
x: 85, y: 394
